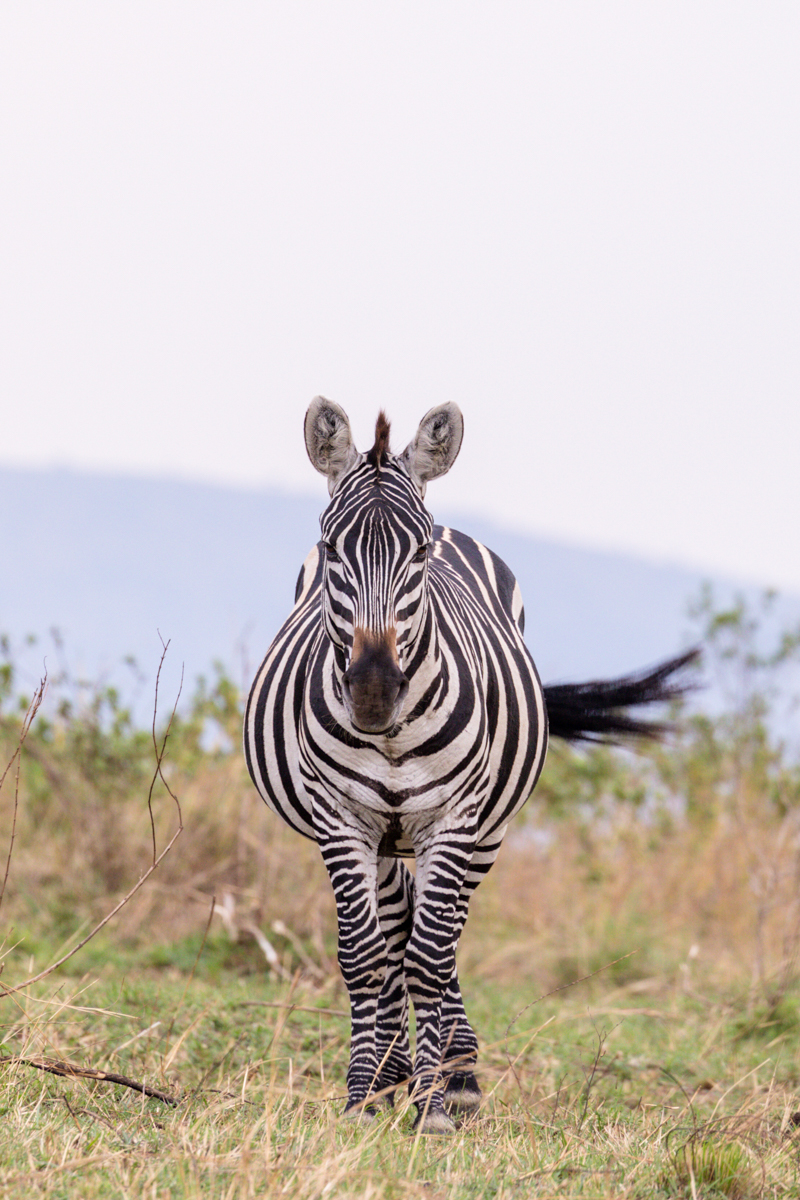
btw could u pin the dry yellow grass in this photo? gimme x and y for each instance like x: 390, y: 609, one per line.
x: 720, y: 897
x: 672, y: 1067
x: 581, y: 1100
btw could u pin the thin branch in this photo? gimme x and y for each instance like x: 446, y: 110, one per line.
x: 565, y: 986
x: 88, y: 1112
x: 160, y: 753
x: 100, y: 925
x: 155, y: 863
x: 70, y: 1111
x: 33, y: 708
x: 601, y: 1041
x: 554, y: 992
x: 323, y: 1012
x: 13, y: 837
x: 71, y: 1071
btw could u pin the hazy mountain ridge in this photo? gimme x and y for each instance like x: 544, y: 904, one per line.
x: 111, y: 561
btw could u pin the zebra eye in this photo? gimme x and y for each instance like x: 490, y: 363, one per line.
x: 330, y: 552
x: 422, y: 553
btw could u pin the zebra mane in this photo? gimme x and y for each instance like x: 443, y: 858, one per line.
x: 376, y: 455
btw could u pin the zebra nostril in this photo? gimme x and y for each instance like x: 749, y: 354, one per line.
x: 372, y: 690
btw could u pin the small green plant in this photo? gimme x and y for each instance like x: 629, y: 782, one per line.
x: 709, y: 1169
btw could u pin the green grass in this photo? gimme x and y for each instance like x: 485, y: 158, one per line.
x: 589, y: 1093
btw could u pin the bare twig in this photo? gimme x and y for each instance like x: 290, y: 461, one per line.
x: 323, y: 1012
x: 227, y: 913
x: 282, y: 930
x: 160, y: 753
x: 88, y: 1112
x: 565, y: 987
x: 71, y: 1071
x: 555, y: 991
x: 267, y: 949
x: 157, y: 774
x: 70, y: 1111
x: 601, y: 1042
x: 33, y: 708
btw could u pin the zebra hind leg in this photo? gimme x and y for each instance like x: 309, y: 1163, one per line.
x: 395, y: 912
x: 462, y: 1094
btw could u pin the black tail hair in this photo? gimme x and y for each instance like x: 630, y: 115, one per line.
x: 594, y: 711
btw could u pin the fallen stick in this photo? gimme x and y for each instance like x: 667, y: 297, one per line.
x: 71, y: 1071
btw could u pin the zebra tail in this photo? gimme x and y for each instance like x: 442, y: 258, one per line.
x: 596, y: 711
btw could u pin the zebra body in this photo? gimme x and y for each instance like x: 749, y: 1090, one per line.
x: 398, y: 712
x: 297, y: 726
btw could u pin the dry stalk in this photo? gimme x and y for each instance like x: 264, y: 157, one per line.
x: 33, y: 708
x: 563, y: 988
x: 157, y: 858
x: 590, y: 1075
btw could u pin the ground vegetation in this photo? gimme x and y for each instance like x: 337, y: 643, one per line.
x: 631, y: 963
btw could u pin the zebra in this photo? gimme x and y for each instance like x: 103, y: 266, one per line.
x: 398, y: 714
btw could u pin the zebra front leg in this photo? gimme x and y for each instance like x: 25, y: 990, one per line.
x: 351, y: 861
x: 462, y: 1092
x: 430, y: 964
x: 395, y: 912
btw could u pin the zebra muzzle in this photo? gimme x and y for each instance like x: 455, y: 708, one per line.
x: 374, y: 687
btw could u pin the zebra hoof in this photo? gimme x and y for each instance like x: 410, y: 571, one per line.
x: 435, y: 1121
x: 462, y: 1094
x: 359, y: 1113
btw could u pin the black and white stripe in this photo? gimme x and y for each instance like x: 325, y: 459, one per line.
x: 398, y: 713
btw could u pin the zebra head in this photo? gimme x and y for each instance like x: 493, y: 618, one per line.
x: 376, y: 533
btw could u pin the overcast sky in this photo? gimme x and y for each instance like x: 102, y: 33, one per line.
x: 578, y: 220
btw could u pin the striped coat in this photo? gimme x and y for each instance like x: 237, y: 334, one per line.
x: 399, y: 713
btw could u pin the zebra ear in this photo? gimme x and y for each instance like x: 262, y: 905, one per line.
x: 436, y: 444
x: 329, y: 441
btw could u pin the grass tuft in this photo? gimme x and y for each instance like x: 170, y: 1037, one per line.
x: 712, y: 1168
